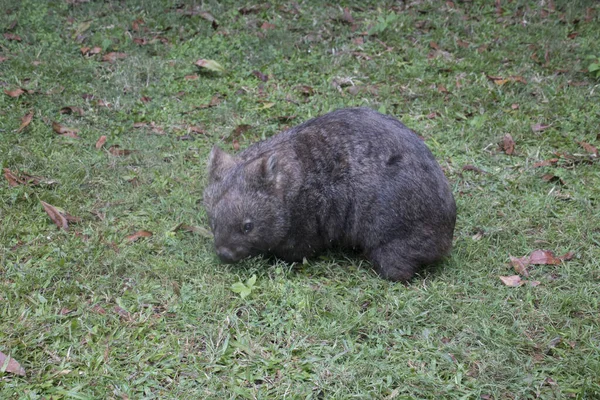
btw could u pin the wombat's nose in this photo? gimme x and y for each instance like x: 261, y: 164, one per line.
x: 227, y: 256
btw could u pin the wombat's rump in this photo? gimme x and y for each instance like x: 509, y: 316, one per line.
x: 352, y: 178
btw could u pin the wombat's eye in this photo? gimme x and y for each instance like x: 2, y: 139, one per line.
x: 248, y: 227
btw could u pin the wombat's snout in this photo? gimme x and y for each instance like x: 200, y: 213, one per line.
x: 226, y: 255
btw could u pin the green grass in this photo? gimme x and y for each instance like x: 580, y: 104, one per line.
x: 90, y: 315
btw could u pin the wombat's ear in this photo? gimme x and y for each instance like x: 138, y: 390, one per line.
x: 267, y: 173
x: 219, y: 163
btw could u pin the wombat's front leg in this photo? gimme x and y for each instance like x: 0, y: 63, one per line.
x: 390, y: 262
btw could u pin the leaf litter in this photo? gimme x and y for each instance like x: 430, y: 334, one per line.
x: 537, y: 257
x: 60, y: 217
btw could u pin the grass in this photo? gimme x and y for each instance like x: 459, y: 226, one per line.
x: 90, y: 314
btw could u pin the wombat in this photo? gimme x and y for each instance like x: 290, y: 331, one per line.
x: 353, y: 178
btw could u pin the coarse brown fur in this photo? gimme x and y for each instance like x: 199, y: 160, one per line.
x: 352, y: 178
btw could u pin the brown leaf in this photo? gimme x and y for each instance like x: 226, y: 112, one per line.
x: 14, y: 93
x: 514, y: 106
x: 512, y: 281
x: 545, y: 163
x: 539, y: 127
x: 196, y: 129
x: 553, y: 178
x: 214, y: 101
x: 499, y: 10
x: 140, y: 41
x: 113, y: 56
x: 12, y: 179
x: 253, y: 9
x: 12, y: 366
x: 100, y: 142
x: 138, y: 235
x: 473, y: 168
x: 267, y: 26
x: 26, y: 120
x: 547, y: 257
x: 520, y: 265
x: 508, y: 144
x: 191, y: 77
x: 87, y: 51
x: 515, y: 78
x: 573, y: 35
x: 56, y: 216
x: 242, y: 128
x: 15, y: 179
x: 72, y: 110
x: 589, y: 148
x: 65, y: 311
x: 434, y: 45
x: 589, y: 14
x: 305, y: 90
x: 102, y: 103
x: 442, y: 89
x: 260, y: 76
x: 432, y: 115
x: 146, y: 99
x: 98, y: 309
x: 64, y: 131
x: 346, y: 17
x: 2, y: 59
x: 116, y: 151
x: 124, y: 314
x: 462, y: 43
x: 236, y: 145
x: 12, y: 36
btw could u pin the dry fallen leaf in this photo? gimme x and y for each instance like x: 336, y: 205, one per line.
x: 72, y: 110
x: 508, y: 144
x: 15, y: 179
x: 547, y: 257
x: 553, y: 178
x: 210, y: 65
x: 12, y: 366
x: 473, y: 168
x: 2, y: 59
x: 100, y: 142
x: 539, y: 127
x: 116, y: 151
x: 113, y: 56
x: 86, y: 51
x: 56, y: 216
x: 64, y: 131
x: 512, y: 281
x: 138, y: 235
x: 267, y: 26
x: 520, y: 265
x: 12, y: 36
x: 124, y: 314
x: 589, y: 148
x: 14, y: 93
x: 260, y: 75
x: 98, y: 309
x: 25, y: 121
x: 545, y: 163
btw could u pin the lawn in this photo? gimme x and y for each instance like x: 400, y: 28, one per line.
x: 109, y: 285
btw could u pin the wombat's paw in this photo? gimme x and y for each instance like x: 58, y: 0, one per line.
x: 390, y: 264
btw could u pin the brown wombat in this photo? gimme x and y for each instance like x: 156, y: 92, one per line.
x: 352, y: 178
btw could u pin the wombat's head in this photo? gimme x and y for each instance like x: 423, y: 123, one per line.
x: 244, y: 201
